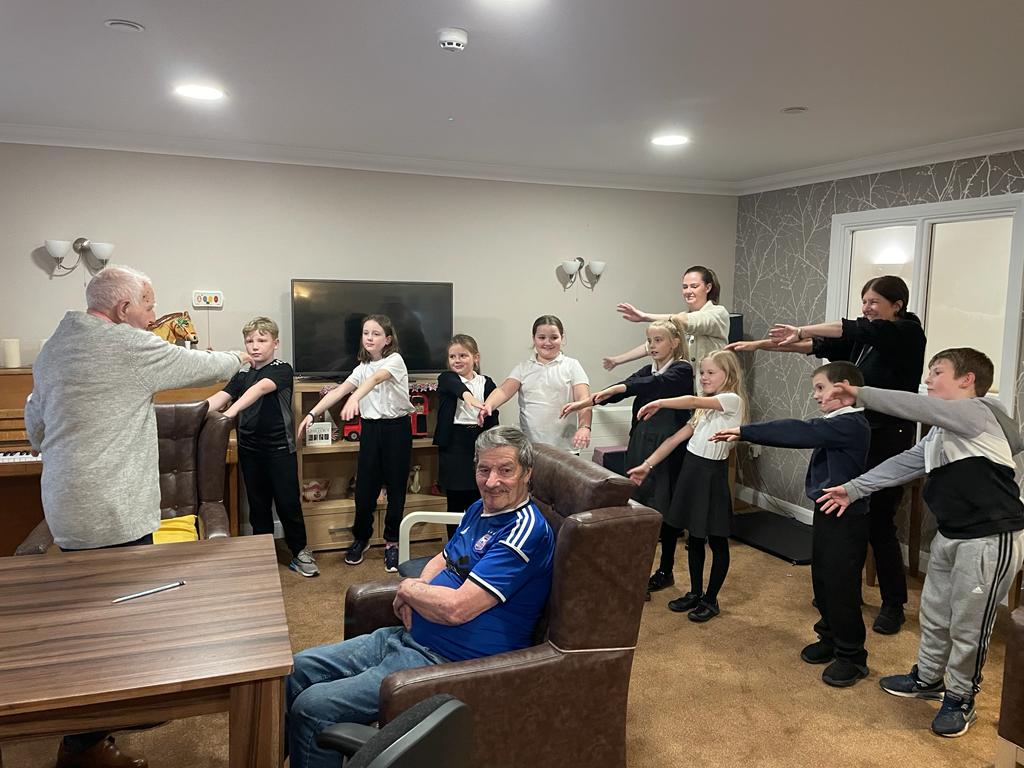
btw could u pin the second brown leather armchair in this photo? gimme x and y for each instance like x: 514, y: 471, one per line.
x: 193, y: 446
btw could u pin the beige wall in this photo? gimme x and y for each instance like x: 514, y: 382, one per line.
x: 247, y: 228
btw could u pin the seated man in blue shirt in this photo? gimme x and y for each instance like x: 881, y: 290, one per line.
x: 481, y: 595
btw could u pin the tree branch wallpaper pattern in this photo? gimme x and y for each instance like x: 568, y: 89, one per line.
x: 782, y: 245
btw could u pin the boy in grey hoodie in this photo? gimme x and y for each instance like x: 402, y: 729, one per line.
x: 979, y: 547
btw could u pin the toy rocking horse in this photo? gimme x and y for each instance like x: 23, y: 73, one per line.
x: 175, y: 328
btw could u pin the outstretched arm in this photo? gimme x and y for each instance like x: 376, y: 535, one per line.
x: 219, y: 401
x: 250, y: 396
x: 501, y: 395
x: 684, y: 403
x: 802, y: 347
x: 639, y: 473
x: 626, y: 357
x: 326, y: 402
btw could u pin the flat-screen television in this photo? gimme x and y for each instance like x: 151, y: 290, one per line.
x: 327, y: 323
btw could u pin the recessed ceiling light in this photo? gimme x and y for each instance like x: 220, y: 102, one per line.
x: 124, y: 25
x: 670, y: 140
x: 201, y: 92
x: 793, y: 110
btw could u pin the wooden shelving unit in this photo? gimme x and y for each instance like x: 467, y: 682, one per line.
x: 328, y: 522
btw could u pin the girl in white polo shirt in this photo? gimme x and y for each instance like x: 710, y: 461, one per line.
x: 379, y: 389
x: 701, y: 502
x: 546, y: 383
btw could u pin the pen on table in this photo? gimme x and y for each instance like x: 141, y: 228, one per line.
x: 154, y: 590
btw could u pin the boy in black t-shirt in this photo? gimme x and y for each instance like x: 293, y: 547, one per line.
x: 261, y: 399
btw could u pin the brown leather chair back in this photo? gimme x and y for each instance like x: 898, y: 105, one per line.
x: 602, y: 555
x: 193, y: 444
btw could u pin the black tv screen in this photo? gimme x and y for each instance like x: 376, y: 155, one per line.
x: 327, y: 320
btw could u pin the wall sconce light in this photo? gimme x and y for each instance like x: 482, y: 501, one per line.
x: 579, y: 269
x: 99, y: 253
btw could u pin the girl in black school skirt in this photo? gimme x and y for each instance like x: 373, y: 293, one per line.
x: 668, y: 375
x: 461, y: 393
x: 701, y: 502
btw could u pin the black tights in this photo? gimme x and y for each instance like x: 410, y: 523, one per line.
x: 719, y: 565
x: 669, y: 537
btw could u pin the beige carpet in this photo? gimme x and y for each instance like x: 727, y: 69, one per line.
x: 732, y: 692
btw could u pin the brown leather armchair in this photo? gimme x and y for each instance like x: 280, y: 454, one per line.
x: 193, y: 445
x: 563, y: 701
x: 1010, y: 743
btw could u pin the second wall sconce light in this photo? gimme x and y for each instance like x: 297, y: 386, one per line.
x: 577, y: 269
x: 98, y: 253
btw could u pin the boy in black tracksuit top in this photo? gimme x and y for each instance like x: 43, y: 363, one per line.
x: 261, y: 399
x: 978, y: 549
x: 840, y: 441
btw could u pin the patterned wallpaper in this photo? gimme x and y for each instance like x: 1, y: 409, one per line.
x: 782, y: 244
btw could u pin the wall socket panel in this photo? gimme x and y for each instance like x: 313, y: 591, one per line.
x: 755, y: 450
x: 207, y: 299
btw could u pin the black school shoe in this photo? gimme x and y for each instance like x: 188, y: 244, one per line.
x: 686, y: 603
x: 818, y: 653
x: 842, y: 673
x: 889, y: 620
x: 660, y: 580
x: 705, y: 611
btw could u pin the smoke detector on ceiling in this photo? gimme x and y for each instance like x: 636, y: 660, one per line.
x: 452, y: 39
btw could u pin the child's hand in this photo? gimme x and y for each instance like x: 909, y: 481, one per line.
x: 649, y: 410
x: 246, y: 359
x: 639, y: 474
x: 726, y: 435
x: 745, y: 346
x: 485, y: 411
x: 350, y: 409
x: 845, y: 393
x: 782, y: 334
x: 608, y: 363
x: 631, y: 313
x: 471, y: 401
x: 578, y: 405
x: 306, y: 421
x: 601, y: 397
x: 834, y: 499
x: 582, y: 438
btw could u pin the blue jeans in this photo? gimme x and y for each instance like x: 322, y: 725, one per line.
x: 340, y: 683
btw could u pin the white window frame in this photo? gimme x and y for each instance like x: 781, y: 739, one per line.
x: 922, y: 217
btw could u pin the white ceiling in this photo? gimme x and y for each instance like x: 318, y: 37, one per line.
x: 568, y: 91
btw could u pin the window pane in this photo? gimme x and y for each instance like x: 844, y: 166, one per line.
x: 970, y: 261
x: 877, y: 252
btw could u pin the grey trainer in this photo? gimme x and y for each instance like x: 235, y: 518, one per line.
x: 304, y: 564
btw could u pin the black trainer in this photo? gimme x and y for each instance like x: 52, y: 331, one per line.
x: 954, y: 717
x: 818, y: 653
x: 842, y: 673
x: 391, y: 558
x: 354, y: 555
x: 685, y: 603
x: 660, y: 580
x: 889, y: 620
x: 705, y: 611
x: 911, y: 686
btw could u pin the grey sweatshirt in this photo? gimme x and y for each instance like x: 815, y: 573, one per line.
x: 966, y: 455
x: 91, y: 416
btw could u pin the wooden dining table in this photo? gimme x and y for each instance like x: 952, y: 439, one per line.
x: 73, y: 661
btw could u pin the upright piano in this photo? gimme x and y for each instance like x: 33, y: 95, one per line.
x: 21, y: 507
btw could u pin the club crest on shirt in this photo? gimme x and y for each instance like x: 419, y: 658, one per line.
x: 481, y: 543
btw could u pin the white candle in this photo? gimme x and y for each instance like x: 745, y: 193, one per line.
x: 12, y: 352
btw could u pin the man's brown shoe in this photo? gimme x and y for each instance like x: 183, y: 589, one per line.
x: 103, y: 755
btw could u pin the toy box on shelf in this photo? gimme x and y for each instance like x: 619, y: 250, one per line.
x: 327, y: 469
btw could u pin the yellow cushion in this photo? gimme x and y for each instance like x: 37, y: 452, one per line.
x: 176, y: 529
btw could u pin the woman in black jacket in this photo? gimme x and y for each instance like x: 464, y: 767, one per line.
x: 461, y: 392
x: 887, y: 344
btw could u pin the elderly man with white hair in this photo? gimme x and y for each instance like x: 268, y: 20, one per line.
x: 91, y: 415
